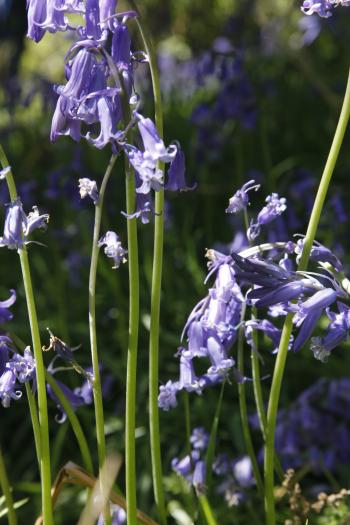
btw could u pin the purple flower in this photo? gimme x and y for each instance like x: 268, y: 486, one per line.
x: 5, y: 349
x: 337, y: 332
x: 198, y: 480
x: 8, y: 385
x: 23, y: 365
x: 167, y: 395
x: 176, y: 174
x: 153, y: 144
x: 113, y: 248
x: 199, y: 439
x: 309, y: 312
x: 118, y: 516
x: 15, y: 223
x: 274, y: 208
x: 107, y: 10
x: 243, y: 472
x: 321, y: 7
x: 88, y: 188
x: 240, y: 199
x: 75, y: 400
x: 319, y: 253
x: 5, y: 314
x: 36, y: 221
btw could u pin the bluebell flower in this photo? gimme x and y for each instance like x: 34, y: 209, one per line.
x: 269, y: 329
x: 243, y: 472
x: 274, y: 208
x: 319, y: 253
x: 9, y: 387
x: 198, y: 480
x: 74, y: 400
x: 118, y: 516
x: 167, y: 395
x: 49, y: 15
x: 176, y: 174
x: 240, y: 199
x: 188, y: 379
x: 337, y: 332
x: 183, y: 466
x: 5, y: 313
x: 107, y: 10
x: 309, y: 312
x: 35, y: 221
x: 154, y: 146
x: 322, y: 7
x: 199, y: 438
x: 121, y: 54
x: 88, y: 188
x: 113, y: 248
x: 15, y: 223
x: 6, y: 346
x: 23, y: 365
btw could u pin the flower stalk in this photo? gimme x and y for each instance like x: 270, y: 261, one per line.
x: 97, y: 389
x: 6, y: 490
x: 156, y: 288
x: 288, y: 325
x: 45, y: 464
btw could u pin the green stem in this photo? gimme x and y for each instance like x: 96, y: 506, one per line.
x: 243, y: 408
x: 131, y: 374
x: 254, y: 354
x: 134, y: 312
x: 45, y: 468
x: 288, y: 325
x: 74, y: 421
x: 207, y: 511
x: 6, y: 489
x: 97, y: 389
x: 35, y: 420
x: 156, y: 289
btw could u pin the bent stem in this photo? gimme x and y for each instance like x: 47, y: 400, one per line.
x: 155, y: 291
x: 45, y: 467
x: 6, y: 490
x: 288, y: 325
x: 97, y: 389
x: 74, y: 422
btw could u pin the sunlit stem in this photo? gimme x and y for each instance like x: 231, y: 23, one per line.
x: 288, y: 325
x: 45, y: 468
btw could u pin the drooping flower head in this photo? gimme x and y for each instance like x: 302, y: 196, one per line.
x: 113, y: 248
x: 240, y: 199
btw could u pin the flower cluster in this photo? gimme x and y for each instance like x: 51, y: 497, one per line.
x: 235, y: 476
x: 99, y: 102
x: 15, y: 370
x: 323, y: 8
x: 210, y: 330
x: 264, y: 277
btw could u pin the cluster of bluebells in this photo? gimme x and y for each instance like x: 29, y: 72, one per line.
x: 234, y: 476
x: 210, y: 331
x: 264, y: 276
x: 100, y: 86
x: 15, y: 370
x: 323, y: 8
x: 314, y: 429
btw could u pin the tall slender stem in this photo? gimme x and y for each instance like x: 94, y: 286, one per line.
x: 243, y: 409
x: 45, y: 468
x: 288, y: 325
x: 97, y: 388
x: 6, y: 490
x: 156, y: 289
x: 130, y: 454
x: 35, y: 420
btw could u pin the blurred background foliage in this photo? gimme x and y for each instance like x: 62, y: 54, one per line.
x: 251, y: 90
